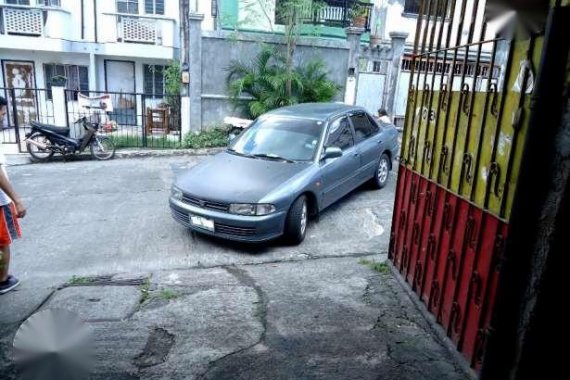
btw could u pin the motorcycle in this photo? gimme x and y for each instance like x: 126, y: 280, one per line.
x: 45, y: 140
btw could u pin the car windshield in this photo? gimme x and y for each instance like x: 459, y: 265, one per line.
x: 285, y: 138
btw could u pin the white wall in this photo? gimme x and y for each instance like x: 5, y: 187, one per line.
x: 42, y: 58
x: 397, y: 20
x: 204, y: 7
x: 404, y: 82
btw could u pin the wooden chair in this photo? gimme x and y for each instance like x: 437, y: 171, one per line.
x: 157, y: 120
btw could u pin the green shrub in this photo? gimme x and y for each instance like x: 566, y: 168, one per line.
x: 210, y: 138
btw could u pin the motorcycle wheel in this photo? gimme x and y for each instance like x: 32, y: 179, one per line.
x: 102, y: 148
x: 37, y: 153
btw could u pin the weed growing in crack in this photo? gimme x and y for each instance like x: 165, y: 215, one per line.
x: 378, y: 267
x: 148, y: 295
x: 145, y: 291
x: 167, y: 294
x: 78, y: 280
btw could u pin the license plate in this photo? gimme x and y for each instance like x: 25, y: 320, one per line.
x: 200, y: 221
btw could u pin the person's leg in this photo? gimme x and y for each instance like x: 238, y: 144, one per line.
x: 7, y: 281
x: 9, y: 230
x: 4, y: 262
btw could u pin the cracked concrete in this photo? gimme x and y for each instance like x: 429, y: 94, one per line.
x: 168, y: 304
x: 321, y: 318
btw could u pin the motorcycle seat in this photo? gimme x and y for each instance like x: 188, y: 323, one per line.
x: 53, y: 128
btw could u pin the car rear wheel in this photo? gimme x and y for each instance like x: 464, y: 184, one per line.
x: 297, y: 220
x: 381, y: 175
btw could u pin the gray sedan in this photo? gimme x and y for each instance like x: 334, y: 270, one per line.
x: 288, y: 166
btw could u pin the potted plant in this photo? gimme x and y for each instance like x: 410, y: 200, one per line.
x: 58, y: 81
x: 359, y: 13
x: 375, y: 35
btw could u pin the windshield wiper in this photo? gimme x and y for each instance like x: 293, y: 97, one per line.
x: 233, y: 151
x: 273, y: 157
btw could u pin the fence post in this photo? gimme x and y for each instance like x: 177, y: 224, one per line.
x: 58, y: 99
x: 143, y: 119
x: 398, y: 40
x: 353, y: 37
x: 195, y: 41
x: 184, y: 115
x: 15, y: 116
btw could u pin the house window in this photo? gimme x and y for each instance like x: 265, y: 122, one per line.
x: 18, y: 2
x: 154, y: 7
x: 50, y: 3
x: 77, y: 77
x: 153, y: 79
x: 379, y: 67
x: 128, y: 6
x: 414, y: 7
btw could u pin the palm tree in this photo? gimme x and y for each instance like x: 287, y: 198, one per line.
x: 265, y: 83
x: 264, y: 80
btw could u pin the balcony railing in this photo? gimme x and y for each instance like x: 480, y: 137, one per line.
x: 21, y: 21
x: 134, y: 29
x: 340, y: 13
x: 35, y: 21
x: 137, y: 29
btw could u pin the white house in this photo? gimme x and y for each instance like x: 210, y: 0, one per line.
x: 98, y: 45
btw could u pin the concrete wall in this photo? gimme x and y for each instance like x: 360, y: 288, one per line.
x: 220, y: 48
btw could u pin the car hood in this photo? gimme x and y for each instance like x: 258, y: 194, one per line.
x: 227, y: 177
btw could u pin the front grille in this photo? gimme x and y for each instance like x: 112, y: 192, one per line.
x: 233, y: 230
x: 183, y: 218
x: 202, y: 203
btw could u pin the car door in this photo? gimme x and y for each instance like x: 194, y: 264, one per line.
x: 369, y: 143
x: 338, y: 174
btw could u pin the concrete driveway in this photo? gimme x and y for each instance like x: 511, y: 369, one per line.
x: 92, y: 218
x: 166, y: 304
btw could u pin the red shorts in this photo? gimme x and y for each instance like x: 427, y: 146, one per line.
x: 9, y: 226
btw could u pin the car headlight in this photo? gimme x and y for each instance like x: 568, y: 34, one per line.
x: 176, y: 193
x: 251, y: 209
x: 264, y: 209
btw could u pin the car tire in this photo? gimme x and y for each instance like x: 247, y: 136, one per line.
x: 297, y: 220
x: 382, y: 172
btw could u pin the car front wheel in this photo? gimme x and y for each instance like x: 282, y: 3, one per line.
x: 381, y: 176
x: 297, y: 220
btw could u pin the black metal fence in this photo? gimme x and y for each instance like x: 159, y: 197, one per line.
x: 24, y: 106
x: 134, y: 120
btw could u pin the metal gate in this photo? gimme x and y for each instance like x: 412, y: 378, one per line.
x: 24, y: 106
x: 370, y: 91
x: 465, y: 124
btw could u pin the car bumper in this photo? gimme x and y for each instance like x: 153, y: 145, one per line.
x: 230, y: 226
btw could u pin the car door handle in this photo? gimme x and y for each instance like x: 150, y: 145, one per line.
x: 355, y: 154
x: 379, y: 142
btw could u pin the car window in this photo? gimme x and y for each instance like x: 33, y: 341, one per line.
x: 287, y: 137
x: 363, y: 127
x: 340, y: 134
x: 377, y: 122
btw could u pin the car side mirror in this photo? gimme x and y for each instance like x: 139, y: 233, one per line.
x: 332, y: 152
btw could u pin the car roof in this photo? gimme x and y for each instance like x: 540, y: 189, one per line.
x: 316, y: 111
